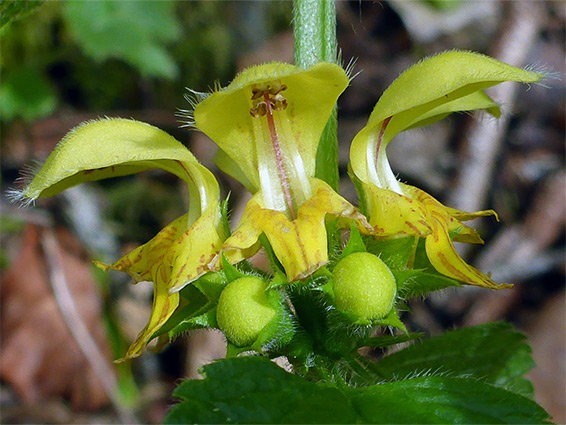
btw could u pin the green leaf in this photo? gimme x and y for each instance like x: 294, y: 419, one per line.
x: 133, y: 31
x: 16, y: 9
x: 442, y: 400
x: 26, y: 93
x: 493, y: 353
x: 255, y: 390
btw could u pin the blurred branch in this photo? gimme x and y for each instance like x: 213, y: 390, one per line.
x: 484, y: 138
x: 77, y: 327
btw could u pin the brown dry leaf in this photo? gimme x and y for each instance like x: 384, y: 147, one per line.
x: 39, y: 358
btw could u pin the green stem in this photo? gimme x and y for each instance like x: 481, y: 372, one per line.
x: 315, y: 41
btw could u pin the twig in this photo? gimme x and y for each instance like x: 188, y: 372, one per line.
x: 484, y: 139
x: 77, y: 327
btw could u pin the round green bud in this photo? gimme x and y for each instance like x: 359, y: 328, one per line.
x: 243, y: 311
x: 364, y: 285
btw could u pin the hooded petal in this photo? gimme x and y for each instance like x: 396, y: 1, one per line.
x: 181, y: 251
x: 424, y: 93
x: 268, y: 124
x: 108, y: 148
x: 310, y: 94
x: 300, y: 245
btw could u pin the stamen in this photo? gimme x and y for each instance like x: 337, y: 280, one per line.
x: 278, y: 155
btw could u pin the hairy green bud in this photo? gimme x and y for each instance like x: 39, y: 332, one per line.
x: 243, y: 311
x: 364, y: 285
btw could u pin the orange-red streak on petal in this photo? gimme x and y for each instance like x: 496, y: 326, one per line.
x: 278, y: 156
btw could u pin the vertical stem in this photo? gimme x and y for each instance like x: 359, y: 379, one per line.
x: 315, y: 41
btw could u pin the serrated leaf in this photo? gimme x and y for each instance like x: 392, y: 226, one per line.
x: 255, y: 390
x: 493, y: 353
x: 442, y: 400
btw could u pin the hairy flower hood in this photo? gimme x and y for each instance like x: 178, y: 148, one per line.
x: 425, y: 93
x: 183, y: 250
x: 268, y: 124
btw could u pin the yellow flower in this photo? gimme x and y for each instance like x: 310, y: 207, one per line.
x: 425, y: 93
x: 179, y: 253
x: 268, y: 123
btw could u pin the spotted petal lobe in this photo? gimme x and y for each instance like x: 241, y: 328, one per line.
x: 301, y: 244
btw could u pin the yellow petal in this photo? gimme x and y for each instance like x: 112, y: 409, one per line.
x: 311, y: 94
x: 465, y: 216
x: 164, y: 304
x: 177, y: 255
x: 464, y: 233
x: 394, y: 215
x: 143, y: 262
x: 439, y: 248
x: 108, y: 148
x: 424, y: 93
x: 301, y: 244
x: 445, y: 259
x: 450, y: 216
x: 196, y: 249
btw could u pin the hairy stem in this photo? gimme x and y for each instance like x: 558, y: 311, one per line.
x: 315, y: 41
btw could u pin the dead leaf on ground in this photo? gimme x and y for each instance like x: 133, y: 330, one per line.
x: 39, y: 358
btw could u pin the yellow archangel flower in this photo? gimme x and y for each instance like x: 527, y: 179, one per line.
x: 425, y: 93
x: 268, y: 123
x: 180, y: 252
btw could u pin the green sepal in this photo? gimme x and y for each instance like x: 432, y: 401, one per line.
x: 419, y: 282
x: 384, y: 341
x: 396, y: 253
x: 211, y: 284
x: 355, y: 243
x: 224, y: 214
x: 280, y: 331
x: 197, y: 307
x: 233, y: 351
x: 231, y: 272
x: 275, y: 263
x: 392, y: 319
x: 358, y: 184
